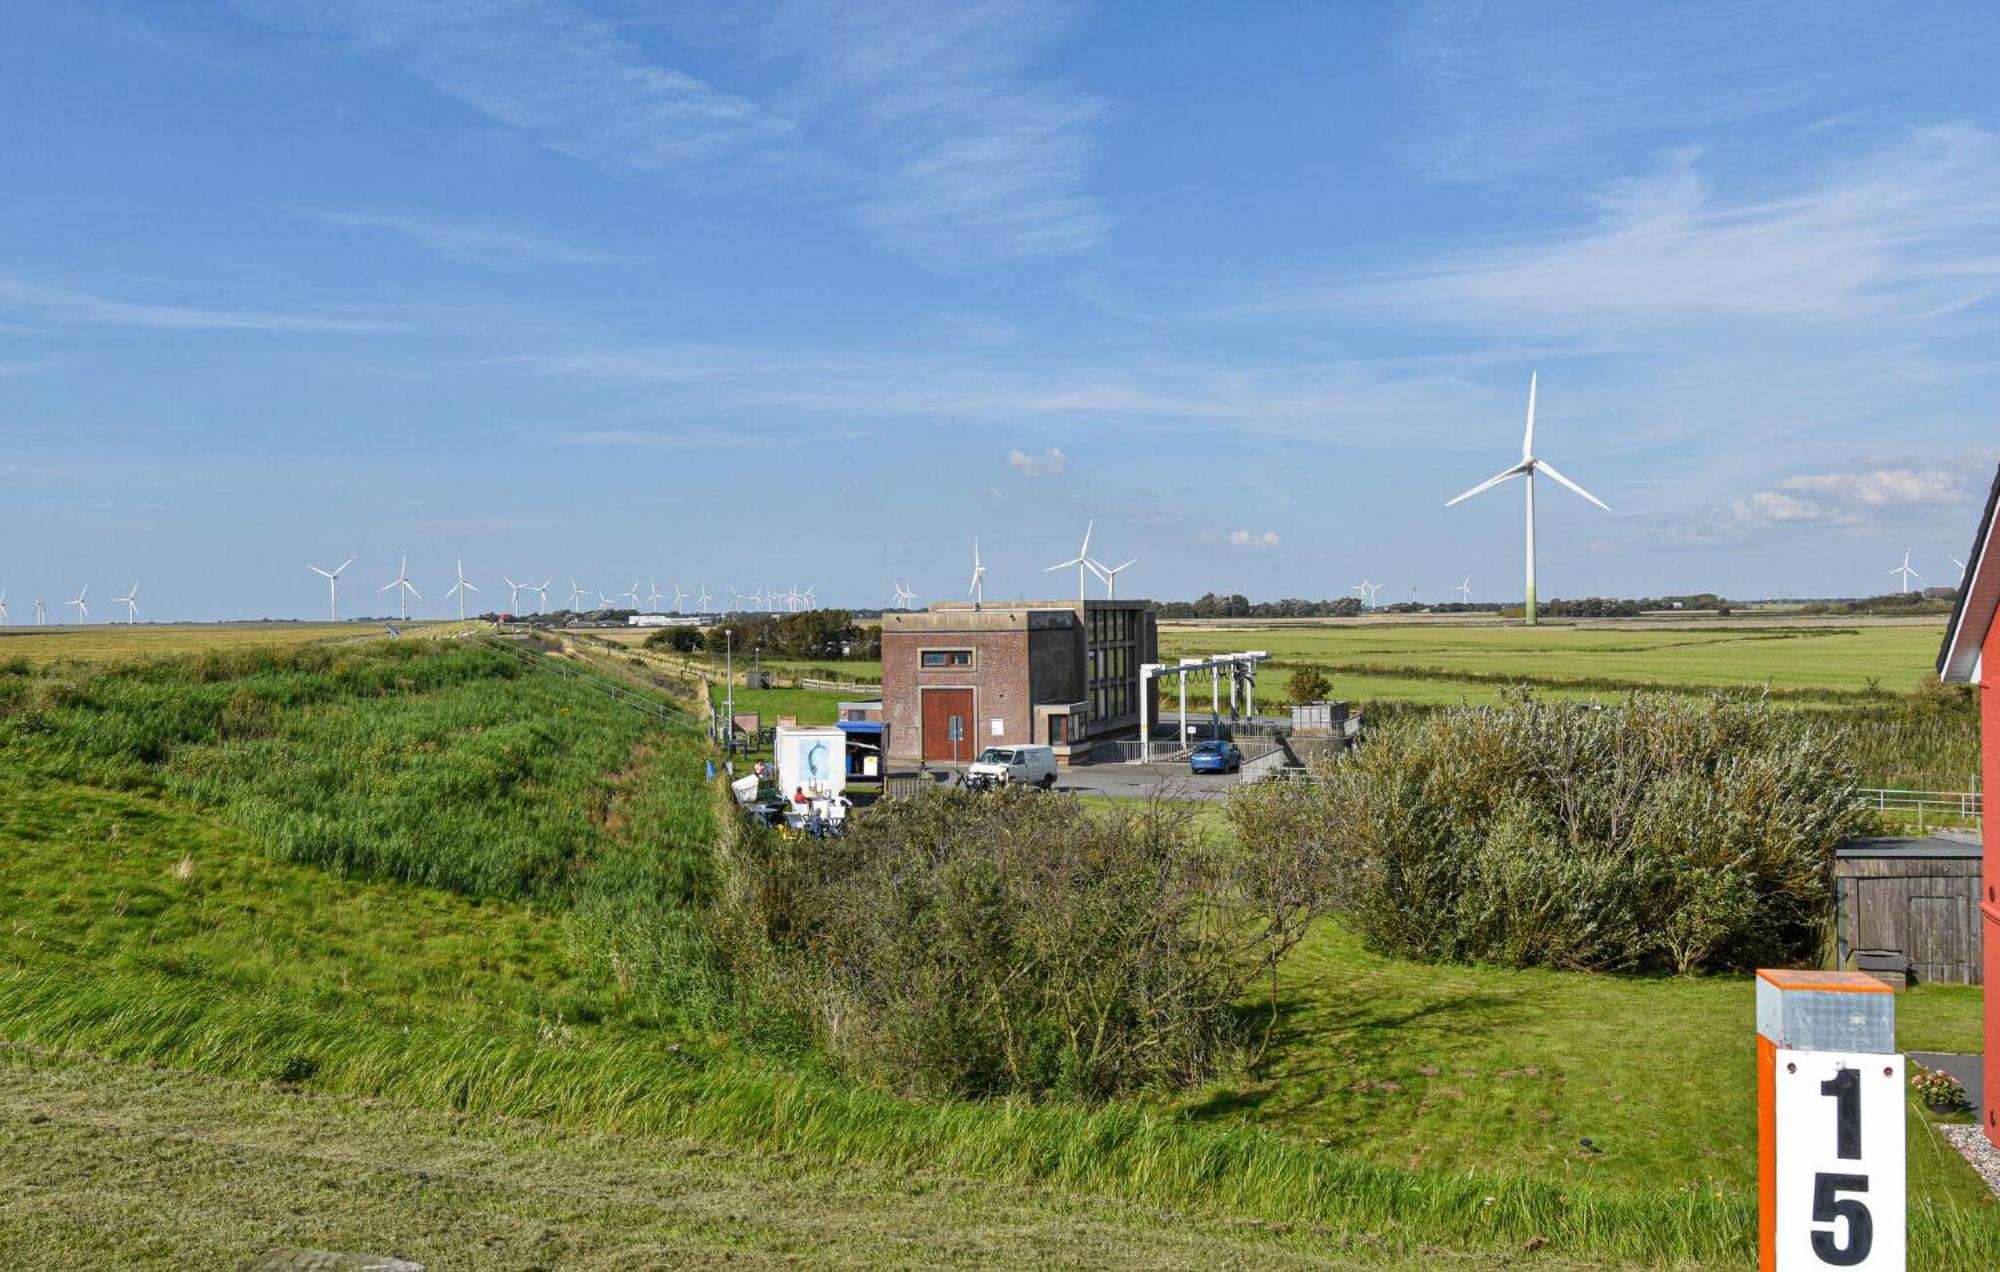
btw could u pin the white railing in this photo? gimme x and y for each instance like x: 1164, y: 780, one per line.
x: 1926, y: 806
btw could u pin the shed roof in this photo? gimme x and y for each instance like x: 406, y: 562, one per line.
x: 1900, y: 846
x: 1978, y: 598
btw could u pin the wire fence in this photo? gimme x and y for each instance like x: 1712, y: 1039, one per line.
x: 1925, y: 806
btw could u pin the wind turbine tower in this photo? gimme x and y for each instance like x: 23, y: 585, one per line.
x: 903, y: 596
x: 3, y: 604
x: 82, y: 610
x: 514, y: 591
x: 978, y: 589
x: 1081, y: 561
x: 1527, y: 468
x: 1464, y: 591
x: 460, y: 588
x: 41, y: 612
x: 1905, y: 570
x: 404, y: 589
x: 332, y: 578
x: 131, y: 603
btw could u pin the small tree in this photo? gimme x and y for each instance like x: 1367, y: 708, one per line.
x: 1309, y: 684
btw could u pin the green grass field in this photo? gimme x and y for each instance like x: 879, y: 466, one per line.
x: 1439, y: 663
x: 413, y: 885
x: 107, y: 642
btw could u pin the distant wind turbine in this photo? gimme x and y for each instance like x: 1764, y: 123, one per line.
x: 1905, y: 570
x: 576, y: 595
x: 653, y: 596
x: 1109, y: 573
x: 541, y: 591
x: 404, y: 589
x: 1081, y: 561
x: 3, y: 604
x: 1528, y: 467
x: 1955, y: 561
x: 978, y: 589
x: 1464, y: 590
x: 460, y: 588
x: 332, y: 578
x: 903, y: 596
x: 82, y: 610
x: 632, y: 593
x: 701, y: 602
x: 514, y: 591
x: 679, y: 596
x: 41, y: 612
x: 131, y: 603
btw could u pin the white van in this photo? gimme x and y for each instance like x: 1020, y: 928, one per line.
x: 1033, y: 765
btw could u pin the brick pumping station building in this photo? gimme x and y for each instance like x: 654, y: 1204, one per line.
x: 961, y: 677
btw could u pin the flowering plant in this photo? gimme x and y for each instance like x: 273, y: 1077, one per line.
x: 1937, y: 1088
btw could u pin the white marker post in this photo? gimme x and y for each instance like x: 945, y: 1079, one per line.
x: 1830, y: 1156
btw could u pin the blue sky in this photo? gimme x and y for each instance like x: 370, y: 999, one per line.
x: 811, y: 293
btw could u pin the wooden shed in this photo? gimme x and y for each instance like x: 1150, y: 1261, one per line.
x: 1910, y: 906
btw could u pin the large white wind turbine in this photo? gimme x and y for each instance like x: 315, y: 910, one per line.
x: 679, y: 596
x: 1464, y: 591
x: 978, y: 589
x: 460, y: 588
x: 631, y: 593
x: 1905, y: 570
x: 404, y: 589
x: 82, y: 610
x: 1528, y: 467
x: 653, y: 596
x: 1109, y: 573
x: 541, y: 591
x: 332, y: 578
x: 41, y: 611
x: 1081, y: 561
x: 701, y: 602
x: 903, y: 596
x: 514, y: 591
x: 3, y: 604
x: 576, y: 595
x: 131, y: 603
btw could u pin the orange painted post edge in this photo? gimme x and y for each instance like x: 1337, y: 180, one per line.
x: 1790, y: 1016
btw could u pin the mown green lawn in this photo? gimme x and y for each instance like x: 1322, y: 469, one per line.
x: 1464, y: 1068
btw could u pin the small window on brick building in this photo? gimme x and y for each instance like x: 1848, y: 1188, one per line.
x: 947, y: 658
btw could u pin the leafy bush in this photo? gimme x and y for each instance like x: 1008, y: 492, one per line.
x: 1309, y: 684
x: 1015, y: 943
x: 1662, y: 833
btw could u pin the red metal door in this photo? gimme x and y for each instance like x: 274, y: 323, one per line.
x: 941, y: 706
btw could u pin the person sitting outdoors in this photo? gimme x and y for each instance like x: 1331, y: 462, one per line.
x: 799, y: 796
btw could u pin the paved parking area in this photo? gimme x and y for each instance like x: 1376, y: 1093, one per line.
x: 1132, y: 781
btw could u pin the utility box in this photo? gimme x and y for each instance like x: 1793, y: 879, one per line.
x: 1319, y: 717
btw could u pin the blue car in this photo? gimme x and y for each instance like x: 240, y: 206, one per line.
x: 1215, y: 757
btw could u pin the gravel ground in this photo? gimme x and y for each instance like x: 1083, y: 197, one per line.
x: 1978, y: 1150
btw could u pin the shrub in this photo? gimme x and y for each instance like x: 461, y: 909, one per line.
x: 1015, y: 943
x: 682, y: 640
x: 1660, y: 834
x: 1309, y: 684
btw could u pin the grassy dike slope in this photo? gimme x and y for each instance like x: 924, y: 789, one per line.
x: 443, y: 904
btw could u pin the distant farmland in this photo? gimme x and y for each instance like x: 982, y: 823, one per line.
x: 109, y: 642
x: 1433, y: 662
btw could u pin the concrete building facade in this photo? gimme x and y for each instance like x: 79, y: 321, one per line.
x: 958, y: 678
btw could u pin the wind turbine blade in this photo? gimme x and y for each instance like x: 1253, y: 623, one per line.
x: 386, y: 586
x: 1550, y: 470
x: 1088, y: 527
x: 1528, y: 438
x: 344, y: 564
x: 322, y: 573
x: 1488, y: 484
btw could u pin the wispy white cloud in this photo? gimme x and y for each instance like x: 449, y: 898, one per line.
x: 1851, y: 498
x: 458, y: 238
x: 967, y: 156
x: 551, y: 69
x: 1253, y: 539
x: 704, y: 439
x: 28, y: 365
x: 927, y: 119
x: 1911, y: 231
x: 1507, y: 89
x: 1042, y: 463
x: 75, y: 307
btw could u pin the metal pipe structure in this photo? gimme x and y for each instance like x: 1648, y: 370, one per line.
x: 1242, y: 664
